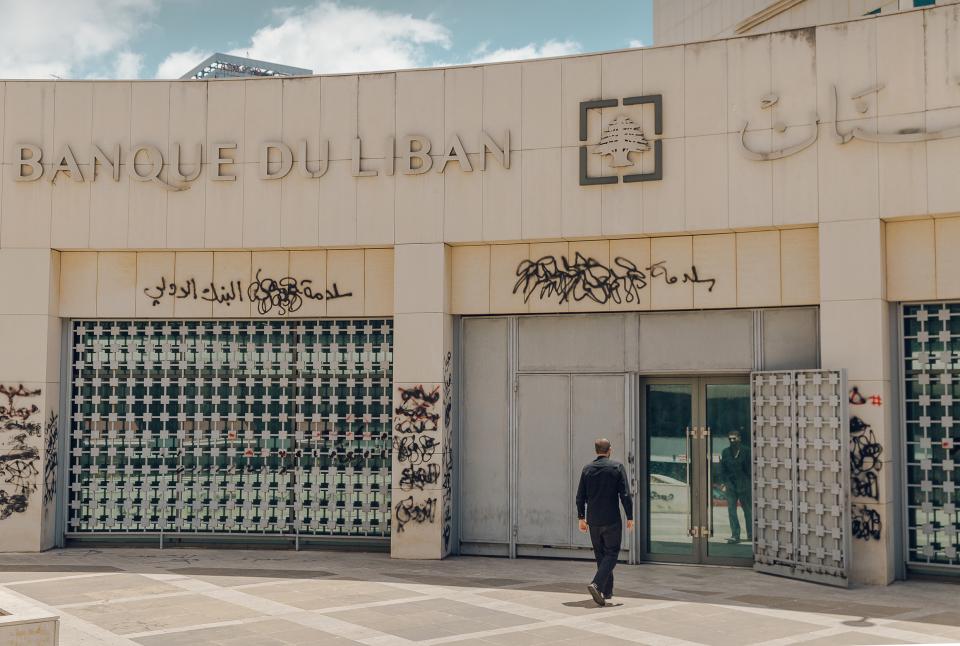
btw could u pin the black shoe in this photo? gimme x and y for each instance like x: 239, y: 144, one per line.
x: 733, y: 539
x: 607, y: 597
x: 595, y: 593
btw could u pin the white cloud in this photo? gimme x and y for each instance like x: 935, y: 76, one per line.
x: 127, y: 65
x: 66, y: 38
x: 636, y: 42
x: 176, y: 64
x: 328, y: 38
x: 549, y: 48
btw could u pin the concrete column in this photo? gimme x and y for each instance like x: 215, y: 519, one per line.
x: 29, y: 398
x: 855, y: 335
x: 423, y: 403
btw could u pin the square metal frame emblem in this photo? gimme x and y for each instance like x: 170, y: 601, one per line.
x: 657, y: 173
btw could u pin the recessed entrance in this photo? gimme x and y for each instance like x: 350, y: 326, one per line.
x: 695, y: 433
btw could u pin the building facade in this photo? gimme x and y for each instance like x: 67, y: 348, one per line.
x: 394, y: 310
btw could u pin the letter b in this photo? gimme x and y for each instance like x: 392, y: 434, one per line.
x: 408, y: 154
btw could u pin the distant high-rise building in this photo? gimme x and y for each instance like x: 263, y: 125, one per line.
x: 226, y: 66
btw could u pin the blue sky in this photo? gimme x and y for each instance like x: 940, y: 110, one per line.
x: 165, y: 38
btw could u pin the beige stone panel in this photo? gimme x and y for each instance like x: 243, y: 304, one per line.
x: 800, y: 266
x: 632, y: 255
x: 378, y: 282
x: 375, y: 210
x: 232, y: 276
x: 262, y: 116
x: 580, y: 205
x: 147, y: 228
x: 705, y: 88
x: 28, y: 118
x: 420, y: 277
x: 376, y: 115
x: 748, y: 81
x: 854, y: 335
x: 871, y: 562
x: 795, y: 179
x: 663, y: 73
x: 70, y: 211
x: 419, y: 208
x: 598, y: 250
x: 78, y: 284
x: 580, y: 81
x: 223, y: 225
x: 261, y: 209
x: 109, y: 214
x: 542, y: 204
x: 751, y: 182
x: 942, y: 59
x: 338, y: 205
x: 299, y: 211
x: 25, y: 347
x: 338, y: 113
x: 186, y: 214
x: 73, y: 119
x: 911, y: 260
x: 793, y: 66
x: 621, y: 208
x: 111, y: 108
x: 29, y: 282
x: 150, y: 115
x: 418, y: 348
x: 420, y: 105
x: 345, y: 269
x: 155, y: 273
x: 903, y: 170
x: 419, y: 540
x: 266, y: 267
x: 309, y: 269
x: 25, y: 208
x: 851, y: 260
x: 943, y: 189
x: 225, y: 121
x: 504, y: 260
x: 463, y: 106
x: 669, y: 258
x: 663, y: 201
x: 463, y: 202
x: 900, y: 54
x: 502, y: 101
x: 470, y: 289
x: 117, y: 284
x: 847, y: 59
x: 758, y: 269
x: 707, y: 183
x: 621, y: 74
x: 188, y: 123
x: 301, y: 113
x: 715, y: 257
x: 848, y: 178
x: 547, y: 252
x: 541, y: 105
x: 948, y: 260
x: 502, y: 201
x: 53, y: 293
x: 195, y: 266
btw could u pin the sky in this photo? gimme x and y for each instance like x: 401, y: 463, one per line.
x: 128, y: 39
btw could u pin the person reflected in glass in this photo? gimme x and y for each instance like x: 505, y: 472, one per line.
x: 736, y: 486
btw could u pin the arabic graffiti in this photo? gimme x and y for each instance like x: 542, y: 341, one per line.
x: 864, y: 460
x: 866, y: 523
x: 408, y: 511
x: 18, y: 464
x: 416, y: 426
x: 286, y: 294
x: 415, y: 449
x: 419, y: 477
x: 51, y: 436
x: 587, y: 278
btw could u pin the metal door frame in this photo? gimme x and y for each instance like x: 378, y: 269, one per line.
x: 700, y: 499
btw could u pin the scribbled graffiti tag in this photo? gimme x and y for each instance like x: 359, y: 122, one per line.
x: 407, y: 511
x: 865, y: 462
x: 419, y: 477
x: 866, y: 523
x: 417, y: 410
x: 51, y: 435
x: 18, y: 463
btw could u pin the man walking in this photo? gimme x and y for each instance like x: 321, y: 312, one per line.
x: 603, y: 483
x: 736, y: 485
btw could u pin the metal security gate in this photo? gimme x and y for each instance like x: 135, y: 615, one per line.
x: 801, y: 464
x: 251, y: 428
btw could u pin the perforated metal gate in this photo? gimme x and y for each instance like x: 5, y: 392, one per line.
x: 801, y: 465
x: 256, y: 427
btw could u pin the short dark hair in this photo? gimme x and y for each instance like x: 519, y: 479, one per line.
x: 601, y: 446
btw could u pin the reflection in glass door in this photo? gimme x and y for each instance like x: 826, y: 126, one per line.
x: 669, y: 408
x: 730, y: 522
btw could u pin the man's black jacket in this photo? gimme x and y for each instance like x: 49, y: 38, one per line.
x: 603, y: 483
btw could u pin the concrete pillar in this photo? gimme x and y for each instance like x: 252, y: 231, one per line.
x: 855, y: 335
x: 29, y: 398
x: 423, y: 458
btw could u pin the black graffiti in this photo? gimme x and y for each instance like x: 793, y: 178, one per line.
x: 407, y: 511
x: 415, y: 449
x: 417, y: 410
x: 447, y: 391
x: 419, y: 477
x: 864, y: 460
x: 18, y: 465
x: 866, y: 523
x: 587, y: 278
x: 51, y: 435
x: 855, y: 397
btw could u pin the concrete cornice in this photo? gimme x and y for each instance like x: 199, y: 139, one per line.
x: 764, y: 15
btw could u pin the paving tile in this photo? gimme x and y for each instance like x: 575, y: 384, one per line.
x: 94, y: 588
x: 851, y: 638
x: 161, y: 614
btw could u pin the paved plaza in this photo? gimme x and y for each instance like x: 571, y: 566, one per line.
x: 178, y: 596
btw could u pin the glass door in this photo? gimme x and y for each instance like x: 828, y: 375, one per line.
x: 696, y: 438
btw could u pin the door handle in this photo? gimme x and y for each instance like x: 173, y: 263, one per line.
x: 692, y: 531
x: 708, y: 450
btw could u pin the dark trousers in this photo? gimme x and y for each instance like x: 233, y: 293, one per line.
x: 743, y: 495
x: 606, y: 547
